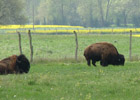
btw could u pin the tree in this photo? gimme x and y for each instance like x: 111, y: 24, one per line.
x: 11, y: 12
x: 88, y: 13
x: 30, y: 6
x: 101, y: 12
x: 71, y: 13
x: 122, y: 10
x: 109, y: 4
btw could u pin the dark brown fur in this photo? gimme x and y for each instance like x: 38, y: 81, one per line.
x: 13, y: 64
x: 104, y: 52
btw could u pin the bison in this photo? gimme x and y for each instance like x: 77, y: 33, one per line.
x: 104, y: 52
x: 14, y: 64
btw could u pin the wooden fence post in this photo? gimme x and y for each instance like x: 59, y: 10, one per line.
x: 19, y: 36
x: 31, y: 46
x: 112, y: 30
x: 76, y: 50
x: 130, y: 46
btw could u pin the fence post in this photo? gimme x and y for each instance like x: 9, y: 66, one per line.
x: 130, y: 46
x: 31, y: 46
x: 76, y: 50
x: 112, y: 30
x: 19, y: 37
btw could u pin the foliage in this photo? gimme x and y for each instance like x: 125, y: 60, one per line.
x: 11, y: 12
x: 89, y: 13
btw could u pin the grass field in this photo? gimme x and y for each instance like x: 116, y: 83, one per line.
x: 73, y: 81
x: 54, y: 75
x: 63, y: 46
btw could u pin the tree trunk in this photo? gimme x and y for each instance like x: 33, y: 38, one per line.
x: 107, y: 10
x: 90, y: 15
x: 62, y: 12
x: 125, y: 18
x: 101, y: 12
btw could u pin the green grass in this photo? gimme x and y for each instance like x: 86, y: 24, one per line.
x: 63, y: 46
x: 54, y: 75
x: 73, y: 81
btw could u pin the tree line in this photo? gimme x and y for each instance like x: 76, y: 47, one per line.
x: 87, y: 13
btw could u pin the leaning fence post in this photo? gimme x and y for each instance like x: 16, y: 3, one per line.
x: 76, y: 50
x: 130, y: 46
x: 31, y: 46
x: 19, y: 37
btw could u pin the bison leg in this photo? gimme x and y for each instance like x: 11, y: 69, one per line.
x: 104, y: 63
x: 93, y: 62
x: 104, y: 60
x: 88, y: 62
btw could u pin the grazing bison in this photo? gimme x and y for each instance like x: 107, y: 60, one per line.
x: 14, y: 64
x: 104, y: 52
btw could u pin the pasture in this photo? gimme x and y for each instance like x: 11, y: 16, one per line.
x: 62, y: 47
x: 55, y: 75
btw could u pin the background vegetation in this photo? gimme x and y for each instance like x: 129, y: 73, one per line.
x: 89, y: 13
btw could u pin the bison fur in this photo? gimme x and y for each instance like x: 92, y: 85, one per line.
x: 14, y: 64
x: 104, y: 52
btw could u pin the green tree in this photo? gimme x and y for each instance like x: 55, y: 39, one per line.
x: 88, y: 13
x: 30, y: 7
x: 85, y: 11
x: 11, y: 12
x: 122, y: 11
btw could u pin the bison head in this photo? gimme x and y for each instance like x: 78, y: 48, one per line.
x: 120, y: 59
x: 22, y: 64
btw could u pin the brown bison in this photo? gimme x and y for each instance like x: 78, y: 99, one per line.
x: 104, y: 52
x: 14, y: 64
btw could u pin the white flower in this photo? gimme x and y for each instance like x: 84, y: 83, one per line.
x: 14, y: 96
